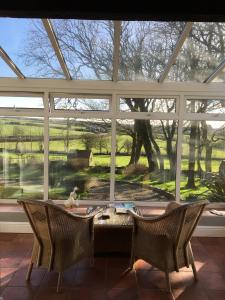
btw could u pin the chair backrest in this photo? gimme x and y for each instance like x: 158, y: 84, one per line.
x: 190, y: 215
x: 48, y: 221
x: 178, y: 223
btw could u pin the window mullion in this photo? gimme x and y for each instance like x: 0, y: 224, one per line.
x: 113, y: 148
x: 181, y: 108
x: 46, y: 145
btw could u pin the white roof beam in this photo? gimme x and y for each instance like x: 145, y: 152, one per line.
x: 11, y: 64
x: 215, y: 72
x: 116, y: 49
x: 176, y: 51
x: 55, y: 44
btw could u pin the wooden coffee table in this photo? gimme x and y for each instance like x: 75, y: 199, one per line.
x: 113, y: 235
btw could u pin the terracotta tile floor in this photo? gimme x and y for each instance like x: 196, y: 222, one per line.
x: 108, y: 279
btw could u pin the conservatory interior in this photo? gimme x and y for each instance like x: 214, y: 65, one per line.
x: 112, y: 112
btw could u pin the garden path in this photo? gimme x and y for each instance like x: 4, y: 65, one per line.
x: 128, y: 191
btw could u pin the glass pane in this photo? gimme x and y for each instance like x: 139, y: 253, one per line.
x: 79, y: 155
x: 145, y: 160
x: 87, y: 47
x: 201, y: 53
x: 21, y: 102
x: 206, y: 106
x: 203, y: 161
x: 29, y: 47
x: 81, y: 104
x: 220, y: 77
x: 21, y: 157
x: 148, y: 105
x: 5, y: 70
x: 146, y: 47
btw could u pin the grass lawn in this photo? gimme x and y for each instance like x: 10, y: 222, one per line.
x: 21, y: 127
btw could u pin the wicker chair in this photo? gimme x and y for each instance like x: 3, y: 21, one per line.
x: 164, y: 241
x: 60, y: 238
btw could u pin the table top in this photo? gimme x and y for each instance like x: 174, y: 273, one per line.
x: 114, y: 219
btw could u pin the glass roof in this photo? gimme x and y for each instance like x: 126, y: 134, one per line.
x: 85, y: 49
x: 5, y: 70
x: 27, y: 44
x: 146, y: 47
x: 202, y: 52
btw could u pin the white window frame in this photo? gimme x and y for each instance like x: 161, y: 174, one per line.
x: 181, y: 91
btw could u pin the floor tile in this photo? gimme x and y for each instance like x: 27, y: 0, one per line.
x: 122, y: 294
x: 91, y: 277
x: 216, y: 295
x: 151, y: 279
x: 89, y: 294
x: 110, y: 277
x: 146, y: 294
x: 19, y: 293
x: 19, y: 279
x: 6, y: 275
x: 117, y: 278
x: 51, y: 294
x: 192, y: 292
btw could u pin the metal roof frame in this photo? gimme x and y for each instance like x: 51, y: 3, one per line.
x: 10, y: 63
x: 55, y: 44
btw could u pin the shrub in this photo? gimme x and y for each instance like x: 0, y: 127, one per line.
x: 216, y: 184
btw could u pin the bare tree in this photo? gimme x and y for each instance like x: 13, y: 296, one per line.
x: 88, y: 140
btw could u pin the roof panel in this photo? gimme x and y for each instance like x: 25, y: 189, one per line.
x: 146, y: 48
x: 29, y: 47
x: 87, y: 47
x: 5, y: 70
x: 202, y: 52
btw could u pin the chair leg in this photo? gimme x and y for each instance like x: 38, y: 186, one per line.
x: 194, y: 271
x: 59, y: 282
x: 193, y: 263
x: 29, y: 271
x: 168, y: 282
x: 132, y: 260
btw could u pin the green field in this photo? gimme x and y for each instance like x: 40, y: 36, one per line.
x: 22, y: 155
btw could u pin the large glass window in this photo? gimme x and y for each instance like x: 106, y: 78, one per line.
x: 145, y: 160
x: 79, y: 155
x: 203, y: 161
x: 21, y: 158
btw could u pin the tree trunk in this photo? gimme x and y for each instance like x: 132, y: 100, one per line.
x: 136, y: 150
x: 172, y: 158
x: 208, y: 148
x: 208, y: 158
x: 155, y: 145
x: 199, y: 152
x: 191, y: 163
x: 144, y: 134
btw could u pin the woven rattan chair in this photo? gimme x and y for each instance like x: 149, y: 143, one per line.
x: 60, y: 238
x: 164, y: 241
